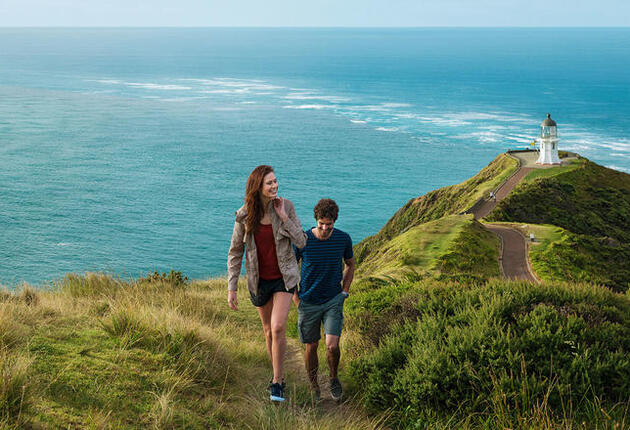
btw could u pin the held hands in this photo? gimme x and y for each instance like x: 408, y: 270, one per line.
x: 232, y: 300
x: 278, y: 205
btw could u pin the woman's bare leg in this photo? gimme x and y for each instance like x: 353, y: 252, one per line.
x: 279, y: 314
x: 264, y: 312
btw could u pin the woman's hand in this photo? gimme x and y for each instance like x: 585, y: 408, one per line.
x: 278, y: 205
x: 232, y: 300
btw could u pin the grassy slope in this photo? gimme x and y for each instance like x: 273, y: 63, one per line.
x: 107, y: 354
x: 554, y: 171
x: 590, y: 200
x: 436, y: 204
x: 557, y: 254
x: 592, y: 204
x: 450, y: 245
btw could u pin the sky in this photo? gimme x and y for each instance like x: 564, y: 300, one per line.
x: 314, y: 13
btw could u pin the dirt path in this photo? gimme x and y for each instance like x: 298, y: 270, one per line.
x: 514, y: 259
x: 294, y: 363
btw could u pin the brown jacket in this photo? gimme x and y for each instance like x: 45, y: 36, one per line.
x: 285, y: 234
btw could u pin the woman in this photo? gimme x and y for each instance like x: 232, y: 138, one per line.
x: 265, y: 229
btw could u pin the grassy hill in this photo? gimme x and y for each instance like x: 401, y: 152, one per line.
x: 589, y: 199
x: 455, y: 351
x: 591, y: 204
x: 449, y: 246
x: 439, y: 203
x: 560, y: 255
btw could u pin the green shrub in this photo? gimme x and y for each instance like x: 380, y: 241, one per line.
x: 499, y: 347
x: 582, y: 258
x: 173, y: 278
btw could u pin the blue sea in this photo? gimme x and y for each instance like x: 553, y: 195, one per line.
x: 126, y: 150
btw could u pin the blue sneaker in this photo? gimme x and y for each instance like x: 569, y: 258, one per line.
x: 284, y: 385
x: 277, y: 392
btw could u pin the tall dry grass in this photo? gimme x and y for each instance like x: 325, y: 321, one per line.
x: 209, y: 363
x: 16, y: 389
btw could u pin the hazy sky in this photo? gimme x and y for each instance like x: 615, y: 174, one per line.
x: 298, y: 13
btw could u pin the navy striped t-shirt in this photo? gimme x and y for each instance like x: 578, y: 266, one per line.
x: 322, y: 266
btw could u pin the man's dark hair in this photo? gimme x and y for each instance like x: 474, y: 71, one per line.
x: 326, y: 208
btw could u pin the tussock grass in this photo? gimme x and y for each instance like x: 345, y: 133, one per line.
x: 158, y: 352
x: 11, y: 331
x: 418, y: 353
x: 90, y: 284
x: 15, y: 386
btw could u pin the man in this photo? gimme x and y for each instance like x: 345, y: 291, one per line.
x: 322, y: 291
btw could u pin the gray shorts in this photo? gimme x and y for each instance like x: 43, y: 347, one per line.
x: 310, y: 318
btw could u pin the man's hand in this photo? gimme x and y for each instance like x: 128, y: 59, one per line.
x: 348, y: 276
x: 278, y: 205
x: 296, y: 298
x: 233, y: 300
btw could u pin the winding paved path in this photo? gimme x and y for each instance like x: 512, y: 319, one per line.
x: 484, y: 209
x: 514, y: 259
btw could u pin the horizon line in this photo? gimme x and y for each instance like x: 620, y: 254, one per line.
x: 316, y: 27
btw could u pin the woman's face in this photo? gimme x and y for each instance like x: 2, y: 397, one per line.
x: 270, y: 186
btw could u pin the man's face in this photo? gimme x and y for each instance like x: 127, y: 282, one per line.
x: 325, y: 227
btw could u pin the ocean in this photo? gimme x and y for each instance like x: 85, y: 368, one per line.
x: 126, y: 150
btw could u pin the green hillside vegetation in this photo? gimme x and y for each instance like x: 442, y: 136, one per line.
x: 159, y: 352
x: 436, y: 204
x: 452, y: 245
x: 590, y: 200
x: 497, y: 355
x: 567, y: 166
x: 463, y: 349
x: 559, y: 255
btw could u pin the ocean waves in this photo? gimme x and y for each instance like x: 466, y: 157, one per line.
x: 489, y: 126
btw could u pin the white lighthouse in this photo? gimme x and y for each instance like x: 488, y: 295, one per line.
x: 548, y: 142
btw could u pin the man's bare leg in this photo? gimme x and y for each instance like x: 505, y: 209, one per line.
x: 333, y: 353
x: 312, y: 364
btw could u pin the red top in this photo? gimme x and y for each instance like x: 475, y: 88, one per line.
x: 266, y: 249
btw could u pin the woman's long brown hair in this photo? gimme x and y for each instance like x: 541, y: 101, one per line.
x: 253, y: 200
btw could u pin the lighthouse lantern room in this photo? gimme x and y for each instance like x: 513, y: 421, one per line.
x: 548, y: 142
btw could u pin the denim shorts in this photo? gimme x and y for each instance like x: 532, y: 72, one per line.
x: 311, y: 317
x: 266, y: 289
